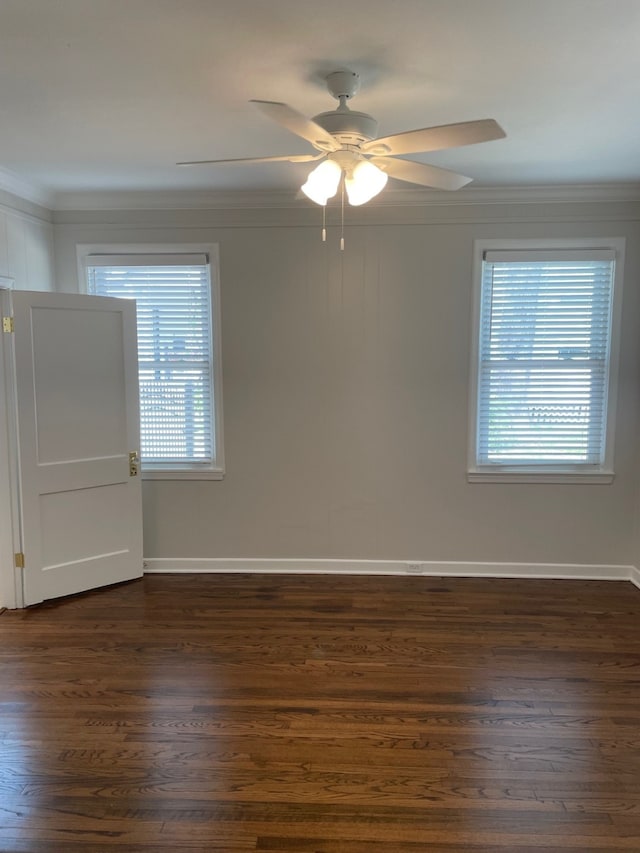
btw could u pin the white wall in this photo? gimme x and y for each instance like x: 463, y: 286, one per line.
x: 346, y: 388
x: 26, y: 243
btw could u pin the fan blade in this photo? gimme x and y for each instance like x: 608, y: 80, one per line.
x: 420, y: 173
x: 436, y: 138
x: 302, y: 126
x: 285, y: 158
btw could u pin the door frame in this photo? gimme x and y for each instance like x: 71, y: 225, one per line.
x: 11, y: 592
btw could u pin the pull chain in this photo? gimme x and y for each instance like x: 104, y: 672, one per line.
x: 324, y: 223
x: 342, y: 220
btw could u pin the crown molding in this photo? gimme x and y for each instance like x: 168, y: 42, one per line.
x: 277, y: 199
x: 14, y: 184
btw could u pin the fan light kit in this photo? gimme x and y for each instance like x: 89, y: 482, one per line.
x: 353, y: 158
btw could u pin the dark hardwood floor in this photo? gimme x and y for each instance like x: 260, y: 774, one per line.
x: 323, y: 714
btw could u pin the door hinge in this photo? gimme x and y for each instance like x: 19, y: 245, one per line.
x: 7, y: 324
x: 19, y: 560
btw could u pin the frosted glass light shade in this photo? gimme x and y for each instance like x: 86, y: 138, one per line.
x: 365, y: 182
x: 322, y: 183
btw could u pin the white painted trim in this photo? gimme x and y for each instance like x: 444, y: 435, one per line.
x: 211, y: 250
x: 182, y: 474
x: 7, y: 588
x: 14, y: 184
x: 10, y: 537
x: 634, y: 576
x: 45, y: 219
x: 503, y: 475
x: 449, y: 568
x: 477, y: 473
x: 258, y: 199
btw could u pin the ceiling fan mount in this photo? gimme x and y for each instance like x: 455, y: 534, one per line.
x: 346, y: 139
x: 343, y: 84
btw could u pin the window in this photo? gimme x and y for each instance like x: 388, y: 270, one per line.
x: 543, y: 391
x: 177, y: 304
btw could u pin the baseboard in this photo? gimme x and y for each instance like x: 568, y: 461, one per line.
x: 558, y: 571
x: 634, y: 576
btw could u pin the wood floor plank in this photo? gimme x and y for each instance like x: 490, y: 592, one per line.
x: 323, y: 715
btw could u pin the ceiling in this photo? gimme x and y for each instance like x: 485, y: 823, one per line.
x: 108, y: 94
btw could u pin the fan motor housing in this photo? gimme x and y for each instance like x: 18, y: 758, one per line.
x: 348, y: 126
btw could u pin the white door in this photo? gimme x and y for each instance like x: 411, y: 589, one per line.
x: 76, y: 396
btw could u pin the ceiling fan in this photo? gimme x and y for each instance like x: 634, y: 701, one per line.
x: 347, y: 145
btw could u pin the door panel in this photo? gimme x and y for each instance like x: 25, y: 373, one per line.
x: 87, y: 508
x: 77, y: 404
x: 92, y: 422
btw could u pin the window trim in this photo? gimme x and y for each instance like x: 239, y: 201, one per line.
x: 552, y: 473
x: 160, y: 471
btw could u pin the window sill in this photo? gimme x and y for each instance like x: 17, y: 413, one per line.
x: 567, y: 477
x: 183, y: 474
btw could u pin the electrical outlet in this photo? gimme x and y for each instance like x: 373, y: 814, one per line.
x: 416, y: 568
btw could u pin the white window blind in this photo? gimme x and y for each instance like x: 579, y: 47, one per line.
x: 175, y: 360
x: 543, y: 370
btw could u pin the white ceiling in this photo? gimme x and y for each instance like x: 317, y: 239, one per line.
x: 109, y: 94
